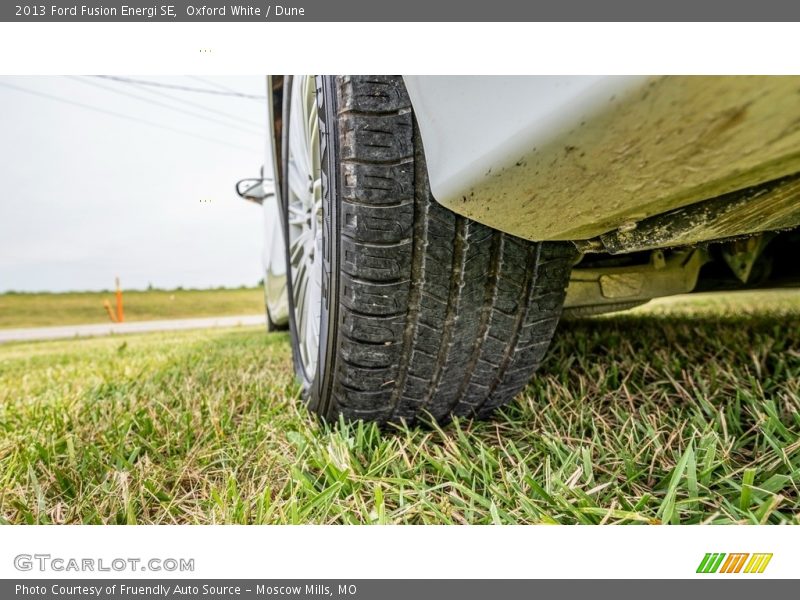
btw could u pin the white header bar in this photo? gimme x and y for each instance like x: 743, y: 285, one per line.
x: 433, y: 48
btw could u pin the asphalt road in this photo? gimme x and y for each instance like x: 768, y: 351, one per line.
x: 97, y: 329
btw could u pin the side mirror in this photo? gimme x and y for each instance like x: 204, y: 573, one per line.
x: 255, y: 190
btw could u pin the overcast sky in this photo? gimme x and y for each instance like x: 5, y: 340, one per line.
x: 88, y: 195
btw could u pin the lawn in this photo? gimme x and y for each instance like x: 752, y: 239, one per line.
x: 687, y: 411
x: 42, y: 310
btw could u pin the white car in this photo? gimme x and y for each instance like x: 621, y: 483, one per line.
x: 433, y: 229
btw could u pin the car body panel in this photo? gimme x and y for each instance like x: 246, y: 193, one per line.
x: 274, y: 254
x: 571, y: 158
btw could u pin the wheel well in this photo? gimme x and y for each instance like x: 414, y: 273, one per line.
x: 276, y: 102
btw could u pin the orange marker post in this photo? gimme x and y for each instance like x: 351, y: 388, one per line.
x: 120, y: 311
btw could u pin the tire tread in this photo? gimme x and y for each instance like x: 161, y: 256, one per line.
x: 438, y: 315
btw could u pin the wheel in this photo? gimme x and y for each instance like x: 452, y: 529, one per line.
x: 399, y: 309
x: 272, y: 326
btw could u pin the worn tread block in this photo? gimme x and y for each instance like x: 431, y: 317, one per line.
x: 371, y: 329
x: 376, y: 138
x: 378, y: 224
x: 372, y: 93
x: 377, y: 184
x: 372, y: 298
x: 380, y: 263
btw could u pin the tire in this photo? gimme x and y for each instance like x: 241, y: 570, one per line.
x: 272, y: 326
x: 425, y: 314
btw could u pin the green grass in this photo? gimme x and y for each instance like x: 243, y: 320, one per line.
x: 685, y: 413
x: 72, y: 308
